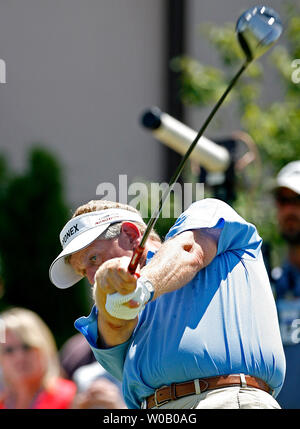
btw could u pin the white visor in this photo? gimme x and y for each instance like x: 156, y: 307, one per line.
x: 79, y: 233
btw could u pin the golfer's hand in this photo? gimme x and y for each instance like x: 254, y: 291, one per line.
x: 111, y: 277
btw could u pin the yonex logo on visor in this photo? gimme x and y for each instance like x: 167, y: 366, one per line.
x: 87, y: 221
x: 69, y: 233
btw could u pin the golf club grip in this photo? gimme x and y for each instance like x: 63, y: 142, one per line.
x: 135, y: 259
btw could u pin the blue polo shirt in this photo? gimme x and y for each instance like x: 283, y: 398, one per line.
x: 224, y: 321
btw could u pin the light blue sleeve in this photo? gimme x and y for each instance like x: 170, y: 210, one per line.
x: 235, y: 233
x: 112, y: 359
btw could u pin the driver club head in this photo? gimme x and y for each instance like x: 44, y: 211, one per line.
x: 257, y: 30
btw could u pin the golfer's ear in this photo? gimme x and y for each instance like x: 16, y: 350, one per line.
x: 130, y: 231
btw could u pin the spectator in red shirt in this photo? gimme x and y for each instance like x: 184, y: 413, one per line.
x: 30, y: 366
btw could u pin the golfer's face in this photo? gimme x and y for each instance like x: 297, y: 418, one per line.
x: 288, y: 211
x: 87, y: 261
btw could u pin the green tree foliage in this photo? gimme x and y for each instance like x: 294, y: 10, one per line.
x: 274, y: 126
x: 33, y: 211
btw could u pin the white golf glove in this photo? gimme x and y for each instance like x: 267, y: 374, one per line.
x: 142, y: 294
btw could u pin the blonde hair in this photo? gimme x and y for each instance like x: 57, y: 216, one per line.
x: 95, y: 205
x: 31, y: 329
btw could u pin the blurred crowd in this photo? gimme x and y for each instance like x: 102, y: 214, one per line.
x: 34, y: 374
x: 286, y: 278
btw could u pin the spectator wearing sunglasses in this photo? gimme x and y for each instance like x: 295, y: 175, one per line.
x: 286, y: 278
x: 287, y: 198
x: 30, y: 366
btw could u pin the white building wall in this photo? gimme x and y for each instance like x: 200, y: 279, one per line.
x: 78, y: 75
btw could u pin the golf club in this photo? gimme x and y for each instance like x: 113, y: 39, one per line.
x: 257, y: 30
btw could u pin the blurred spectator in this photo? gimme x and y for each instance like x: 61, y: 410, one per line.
x: 87, y: 374
x: 287, y: 196
x: 97, y: 388
x: 30, y: 365
x: 286, y: 279
x: 74, y: 354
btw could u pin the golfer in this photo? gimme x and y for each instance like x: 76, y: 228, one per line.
x: 196, y: 326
